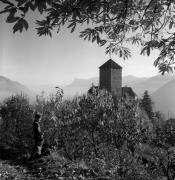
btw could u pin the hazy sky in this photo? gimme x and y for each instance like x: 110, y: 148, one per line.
x: 30, y: 59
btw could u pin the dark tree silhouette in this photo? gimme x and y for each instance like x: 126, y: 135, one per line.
x: 146, y: 104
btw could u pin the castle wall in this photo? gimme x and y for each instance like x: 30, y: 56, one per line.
x: 116, y: 82
x: 111, y: 78
x: 105, y: 79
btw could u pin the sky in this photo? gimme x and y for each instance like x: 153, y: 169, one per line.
x: 33, y: 60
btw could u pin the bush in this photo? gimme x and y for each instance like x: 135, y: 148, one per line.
x: 109, y: 136
x: 90, y: 126
x: 17, y: 118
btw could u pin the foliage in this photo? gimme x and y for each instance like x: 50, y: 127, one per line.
x: 16, y: 127
x: 98, y: 130
x: 113, y: 23
x: 146, y: 104
x: 93, y: 136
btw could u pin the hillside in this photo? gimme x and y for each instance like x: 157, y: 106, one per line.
x: 9, y: 87
x: 152, y: 84
x: 164, y: 99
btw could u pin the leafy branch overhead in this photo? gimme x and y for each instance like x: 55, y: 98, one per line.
x: 111, y: 23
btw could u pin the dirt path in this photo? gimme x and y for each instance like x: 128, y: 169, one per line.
x: 14, y: 168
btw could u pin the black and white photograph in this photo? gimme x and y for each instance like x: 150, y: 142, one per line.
x: 87, y: 89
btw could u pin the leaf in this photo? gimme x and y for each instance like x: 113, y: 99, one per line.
x: 72, y: 30
x: 156, y: 62
x: 11, y: 19
x: 70, y: 25
x: 147, y: 49
x: 94, y: 38
x: 25, y: 24
x: 45, y: 28
x: 163, y: 68
x: 73, y: 25
x: 18, y: 27
x: 41, y: 5
x: 98, y: 39
x: 22, y: 23
x: 11, y: 15
x: 4, y: 11
x: 32, y: 7
x: 7, y: 7
x: 26, y: 8
x: 50, y: 34
x: 87, y: 33
x: 7, y: 2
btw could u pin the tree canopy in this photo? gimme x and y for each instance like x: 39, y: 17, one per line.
x: 111, y: 23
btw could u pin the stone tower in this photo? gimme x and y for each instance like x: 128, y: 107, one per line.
x: 111, y: 78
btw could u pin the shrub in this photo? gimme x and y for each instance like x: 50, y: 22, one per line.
x: 16, y: 127
x: 109, y: 136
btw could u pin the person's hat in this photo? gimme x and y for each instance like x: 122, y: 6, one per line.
x: 37, y: 116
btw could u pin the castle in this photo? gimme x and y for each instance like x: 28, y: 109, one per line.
x: 110, y: 78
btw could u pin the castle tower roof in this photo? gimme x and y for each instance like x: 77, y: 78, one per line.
x: 110, y: 64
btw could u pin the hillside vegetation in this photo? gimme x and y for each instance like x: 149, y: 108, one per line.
x: 90, y: 137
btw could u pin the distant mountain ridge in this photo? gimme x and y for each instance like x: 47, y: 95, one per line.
x: 152, y: 84
x: 80, y: 86
x: 139, y: 84
x: 84, y: 82
x: 129, y: 80
x: 9, y: 87
x: 164, y: 99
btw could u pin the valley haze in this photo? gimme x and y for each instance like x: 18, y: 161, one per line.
x: 160, y: 88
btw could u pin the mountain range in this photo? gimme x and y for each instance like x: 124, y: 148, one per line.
x: 152, y: 84
x: 9, y: 88
x: 160, y: 88
x: 139, y: 84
